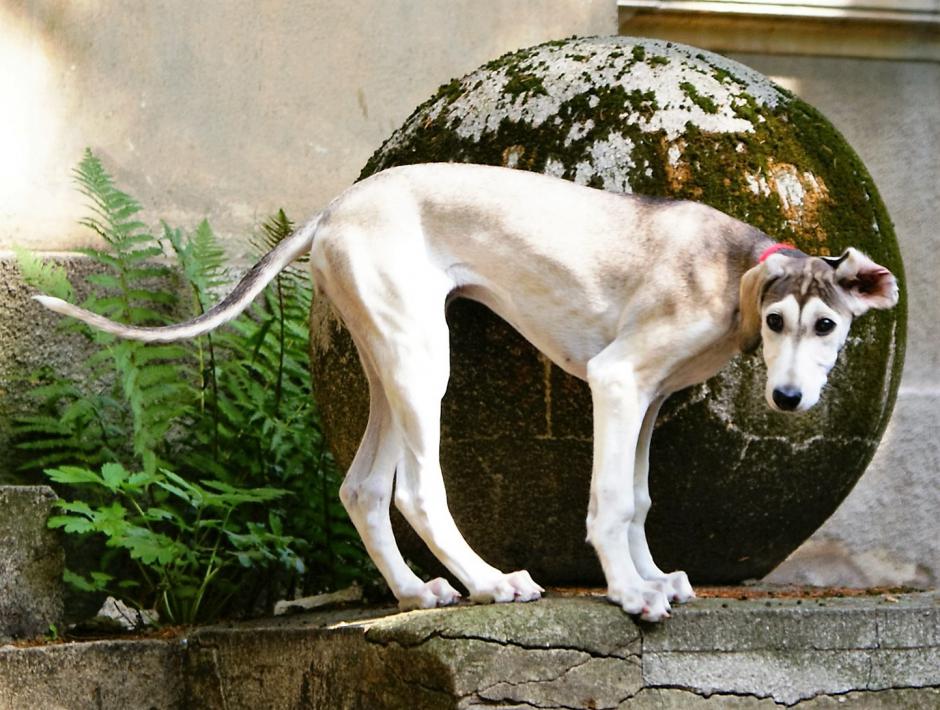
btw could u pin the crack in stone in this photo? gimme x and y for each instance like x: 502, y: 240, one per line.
x: 206, y: 654
x: 720, y: 694
x: 537, y: 681
x: 757, y: 695
x: 630, y: 658
x: 797, y: 704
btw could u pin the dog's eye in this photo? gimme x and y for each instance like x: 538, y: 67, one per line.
x: 824, y: 326
x: 775, y: 322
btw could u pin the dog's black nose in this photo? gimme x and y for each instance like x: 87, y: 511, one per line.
x: 787, y: 399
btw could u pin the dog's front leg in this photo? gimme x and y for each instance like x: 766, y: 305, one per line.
x: 620, y: 403
x: 676, y: 584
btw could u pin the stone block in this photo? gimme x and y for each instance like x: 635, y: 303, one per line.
x: 790, y: 652
x: 97, y: 675
x: 559, y: 653
x: 562, y: 652
x: 31, y: 563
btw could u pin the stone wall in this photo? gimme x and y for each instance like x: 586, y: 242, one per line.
x: 575, y: 653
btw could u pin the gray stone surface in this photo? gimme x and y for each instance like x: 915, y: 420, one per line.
x: 791, y: 652
x: 32, y: 338
x: 903, y: 699
x: 561, y: 652
x: 97, y: 675
x: 649, y: 117
x: 31, y: 562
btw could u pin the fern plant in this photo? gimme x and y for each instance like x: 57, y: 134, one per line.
x: 232, y: 408
x: 189, y: 551
x: 132, y: 287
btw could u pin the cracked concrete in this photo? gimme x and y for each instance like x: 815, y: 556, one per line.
x: 560, y: 653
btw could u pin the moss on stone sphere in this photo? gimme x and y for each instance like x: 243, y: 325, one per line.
x: 736, y: 487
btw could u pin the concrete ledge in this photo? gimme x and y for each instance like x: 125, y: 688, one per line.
x: 96, y: 674
x: 562, y: 652
x: 791, y: 652
x: 31, y: 562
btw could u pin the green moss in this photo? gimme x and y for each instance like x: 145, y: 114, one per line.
x: 639, y: 53
x: 722, y: 75
x: 657, y: 61
x: 524, y: 83
x: 706, y: 103
x: 451, y: 91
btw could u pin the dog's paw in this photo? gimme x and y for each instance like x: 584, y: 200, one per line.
x: 648, y: 600
x: 678, y: 588
x: 437, y: 592
x: 512, y: 587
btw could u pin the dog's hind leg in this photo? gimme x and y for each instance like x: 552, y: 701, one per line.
x: 413, y: 360
x: 366, y: 494
x: 676, y: 584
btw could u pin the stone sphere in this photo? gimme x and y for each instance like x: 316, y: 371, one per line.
x: 736, y: 487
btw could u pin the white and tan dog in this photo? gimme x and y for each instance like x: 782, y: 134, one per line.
x: 641, y: 297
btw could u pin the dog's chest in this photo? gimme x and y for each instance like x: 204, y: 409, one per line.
x: 700, y: 366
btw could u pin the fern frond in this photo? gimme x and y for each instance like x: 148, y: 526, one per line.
x: 44, y: 276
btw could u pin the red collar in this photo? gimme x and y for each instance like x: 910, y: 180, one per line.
x: 773, y: 249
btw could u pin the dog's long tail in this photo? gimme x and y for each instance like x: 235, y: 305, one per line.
x: 259, y: 276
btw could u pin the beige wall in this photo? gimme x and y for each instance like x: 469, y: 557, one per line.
x: 229, y: 109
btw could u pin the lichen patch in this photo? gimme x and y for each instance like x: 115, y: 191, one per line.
x: 610, y: 163
x: 531, y: 87
x: 801, y: 195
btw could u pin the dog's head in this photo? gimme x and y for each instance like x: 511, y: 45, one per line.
x: 801, y: 307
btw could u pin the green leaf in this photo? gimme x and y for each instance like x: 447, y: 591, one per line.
x: 71, y: 524
x: 141, y: 480
x: 75, y: 506
x: 148, y: 547
x: 47, y: 277
x: 114, y: 475
x: 73, y: 475
x: 96, y: 584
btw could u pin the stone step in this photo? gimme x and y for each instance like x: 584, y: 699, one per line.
x: 561, y: 652
x: 31, y: 562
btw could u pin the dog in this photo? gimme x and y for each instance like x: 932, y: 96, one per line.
x: 639, y: 296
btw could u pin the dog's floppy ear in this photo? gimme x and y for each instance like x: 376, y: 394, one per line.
x: 749, y: 315
x: 865, y: 283
x: 754, y: 284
